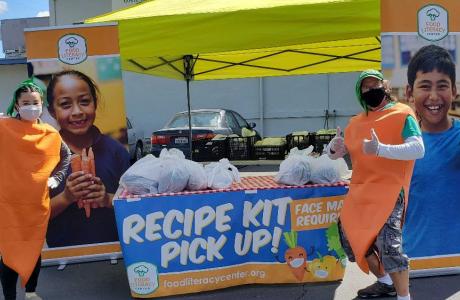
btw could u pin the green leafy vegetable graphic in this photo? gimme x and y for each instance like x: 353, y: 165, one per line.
x: 333, y: 241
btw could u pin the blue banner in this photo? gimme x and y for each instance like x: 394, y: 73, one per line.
x: 196, y: 232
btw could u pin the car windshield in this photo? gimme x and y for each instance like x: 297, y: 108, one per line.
x: 199, y: 119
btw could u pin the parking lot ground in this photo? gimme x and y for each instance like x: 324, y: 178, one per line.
x: 103, y: 281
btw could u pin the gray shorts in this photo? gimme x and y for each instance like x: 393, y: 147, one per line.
x: 388, y: 244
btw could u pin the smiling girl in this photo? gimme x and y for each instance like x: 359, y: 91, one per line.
x: 73, y: 99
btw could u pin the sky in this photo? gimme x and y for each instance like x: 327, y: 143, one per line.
x: 14, y: 9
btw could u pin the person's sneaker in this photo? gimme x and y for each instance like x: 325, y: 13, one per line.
x: 377, y: 290
x: 32, y: 296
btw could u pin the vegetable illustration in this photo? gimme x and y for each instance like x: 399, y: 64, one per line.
x: 333, y: 242
x: 323, y: 266
x: 141, y: 270
x: 433, y: 14
x: 84, y: 163
x: 295, y: 256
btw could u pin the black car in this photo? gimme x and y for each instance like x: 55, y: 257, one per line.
x: 206, y: 124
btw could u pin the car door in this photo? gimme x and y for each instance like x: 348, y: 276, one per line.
x: 241, y: 121
x: 232, y: 123
x: 131, y: 134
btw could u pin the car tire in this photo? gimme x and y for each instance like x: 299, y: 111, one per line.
x: 138, y: 152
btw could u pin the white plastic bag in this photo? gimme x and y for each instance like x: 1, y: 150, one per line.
x: 172, y: 172
x: 139, y: 178
x: 138, y: 185
x: 326, y: 170
x: 221, y: 174
x: 198, y: 179
x: 173, y: 153
x: 304, y: 152
x: 295, y: 169
x: 172, y: 175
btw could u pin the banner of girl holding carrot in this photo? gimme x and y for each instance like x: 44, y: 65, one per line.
x: 97, y: 167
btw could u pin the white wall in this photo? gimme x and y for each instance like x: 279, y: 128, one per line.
x: 65, y: 12
x: 10, y: 77
x: 289, y: 103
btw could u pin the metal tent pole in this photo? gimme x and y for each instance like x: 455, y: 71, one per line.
x: 188, y: 67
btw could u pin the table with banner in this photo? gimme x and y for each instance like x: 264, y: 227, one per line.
x: 257, y: 231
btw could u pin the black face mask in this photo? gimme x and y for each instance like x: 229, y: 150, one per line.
x: 374, y: 97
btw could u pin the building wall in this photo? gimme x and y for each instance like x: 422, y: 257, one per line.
x: 13, y: 34
x: 65, y: 12
x: 10, y: 77
x: 119, y: 4
x: 278, y: 105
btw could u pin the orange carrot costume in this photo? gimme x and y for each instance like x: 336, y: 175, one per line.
x: 376, y: 182
x: 29, y: 153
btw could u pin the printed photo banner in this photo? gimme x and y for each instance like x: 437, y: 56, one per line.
x: 408, y: 25
x: 76, y: 62
x: 191, y: 243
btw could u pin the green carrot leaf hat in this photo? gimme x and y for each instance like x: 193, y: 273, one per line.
x: 364, y: 74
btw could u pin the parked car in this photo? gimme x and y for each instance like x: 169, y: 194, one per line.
x: 206, y: 124
x: 138, y: 144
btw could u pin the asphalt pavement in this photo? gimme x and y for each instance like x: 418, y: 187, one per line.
x: 103, y: 281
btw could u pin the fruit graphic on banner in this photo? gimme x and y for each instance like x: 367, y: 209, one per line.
x: 325, y: 267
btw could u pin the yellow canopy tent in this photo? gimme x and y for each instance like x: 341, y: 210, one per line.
x: 218, y: 39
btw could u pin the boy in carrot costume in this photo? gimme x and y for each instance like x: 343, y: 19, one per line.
x: 383, y: 143
x: 34, y: 158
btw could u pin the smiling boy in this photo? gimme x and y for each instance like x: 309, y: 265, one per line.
x: 432, y: 224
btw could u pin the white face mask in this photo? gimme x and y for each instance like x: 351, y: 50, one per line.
x: 321, y: 273
x: 295, y: 263
x: 30, y: 112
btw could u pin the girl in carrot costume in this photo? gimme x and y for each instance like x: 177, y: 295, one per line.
x: 36, y: 159
x: 373, y: 211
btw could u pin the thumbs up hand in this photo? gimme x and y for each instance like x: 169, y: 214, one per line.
x: 336, y: 147
x: 371, y: 147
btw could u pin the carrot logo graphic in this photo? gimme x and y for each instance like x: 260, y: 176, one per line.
x: 295, y: 256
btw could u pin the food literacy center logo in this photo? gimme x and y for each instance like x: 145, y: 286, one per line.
x: 72, y: 49
x: 143, y: 277
x: 433, y: 22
